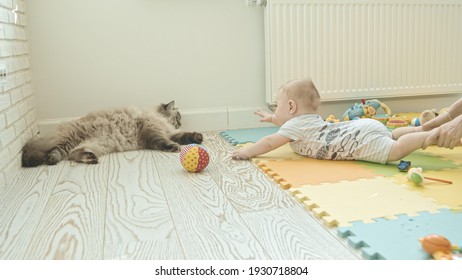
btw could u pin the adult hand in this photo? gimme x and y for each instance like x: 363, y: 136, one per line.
x: 436, y: 122
x: 447, y: 135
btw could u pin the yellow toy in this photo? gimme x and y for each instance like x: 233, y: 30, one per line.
x: 332, y: 119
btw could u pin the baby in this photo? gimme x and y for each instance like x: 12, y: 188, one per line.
x: 309, y: 135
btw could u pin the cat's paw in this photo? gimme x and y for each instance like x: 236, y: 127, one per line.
x: 89, y: 158
x: 197, y: 138
x: 84, y: 155
x: 173, y: 147
x: 51, y: 159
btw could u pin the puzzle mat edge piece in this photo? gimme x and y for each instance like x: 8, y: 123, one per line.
x: 287, y: 177
x: 403, y: 233
x: 247, y: 135
x: 361, y: 200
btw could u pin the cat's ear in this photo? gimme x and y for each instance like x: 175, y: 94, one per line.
x: 170, y: 106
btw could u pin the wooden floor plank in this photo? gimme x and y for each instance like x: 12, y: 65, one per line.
x: 137, y: 211
x: 22, y: 204
x: 284, y: 228
x: 144, y: 205
x: 207, y: 224
x: 166, y: 249
x: 72, y: 224
x: 243, y: 183
x: 291, y: 234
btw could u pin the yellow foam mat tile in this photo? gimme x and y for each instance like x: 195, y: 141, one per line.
x: 281, y: 153
x: 297, y: 172
x: 339, y: 204
x: 454, y: 155
x: 449, y: 195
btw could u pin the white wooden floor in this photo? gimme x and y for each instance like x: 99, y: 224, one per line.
x: 143, y: 205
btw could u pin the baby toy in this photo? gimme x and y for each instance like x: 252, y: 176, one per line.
x: 395, y: 122
x: 383, y: 118
x: 332, y: 119
x: 404, y: 165
x: 415, y: 122
x: 366, y: 109
x: 194, y: 158
x: 415, y: 175
x: 439, y: 247
x: 424, y: 117
x: 427, y: 115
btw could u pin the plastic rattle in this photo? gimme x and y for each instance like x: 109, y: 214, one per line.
x: 415, y: 175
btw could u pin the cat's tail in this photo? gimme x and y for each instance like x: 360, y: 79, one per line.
x: 35, y: 151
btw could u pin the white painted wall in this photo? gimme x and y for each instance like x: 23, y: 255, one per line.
x: 207, y: 55
x: 92, y: 54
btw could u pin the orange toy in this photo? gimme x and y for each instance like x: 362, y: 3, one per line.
x: 438, y: 246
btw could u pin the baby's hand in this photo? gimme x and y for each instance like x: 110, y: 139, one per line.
x: 265, y: 116
x: 240, y: 154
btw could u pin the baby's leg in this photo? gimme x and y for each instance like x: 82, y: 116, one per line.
x: 406, y: 144
x: 400, y: 131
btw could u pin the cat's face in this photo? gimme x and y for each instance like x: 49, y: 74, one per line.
x: 170, y: 113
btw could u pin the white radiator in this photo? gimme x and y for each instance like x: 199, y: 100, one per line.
x: 365, y: 49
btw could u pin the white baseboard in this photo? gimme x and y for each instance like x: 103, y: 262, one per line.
x: 193, y: 120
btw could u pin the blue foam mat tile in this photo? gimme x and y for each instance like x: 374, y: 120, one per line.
x: 242, y: 136
x: 398, y: 239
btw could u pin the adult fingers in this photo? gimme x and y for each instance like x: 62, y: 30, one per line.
x: 454, y: 143
x: 446, y: 141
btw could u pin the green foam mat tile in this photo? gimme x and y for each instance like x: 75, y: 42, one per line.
x: 418, y: 159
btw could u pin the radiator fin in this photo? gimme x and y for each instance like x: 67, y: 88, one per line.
x: 365, y: 49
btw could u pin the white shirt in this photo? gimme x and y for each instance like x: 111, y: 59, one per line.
x: 364, y: 139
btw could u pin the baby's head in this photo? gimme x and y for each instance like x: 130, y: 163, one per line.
x: 298, y: 97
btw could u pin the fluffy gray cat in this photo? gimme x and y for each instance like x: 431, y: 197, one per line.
x: 108, y: 131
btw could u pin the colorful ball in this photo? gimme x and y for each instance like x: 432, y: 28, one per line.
x: 415, y: 122
x: 194, y: 158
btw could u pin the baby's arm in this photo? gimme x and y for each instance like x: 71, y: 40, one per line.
x: 264, y: 145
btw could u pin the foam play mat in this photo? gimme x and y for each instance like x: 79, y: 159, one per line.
x: 361, y: 200
x: 241, y: 136
x: 373, y: 205
x: 281, y: 153
x: 295, y: 173
x: 398, y: 239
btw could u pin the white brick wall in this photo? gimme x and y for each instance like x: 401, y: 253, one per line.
x: 17, y: 118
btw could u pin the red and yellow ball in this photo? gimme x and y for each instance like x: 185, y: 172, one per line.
x: 194, y: 158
